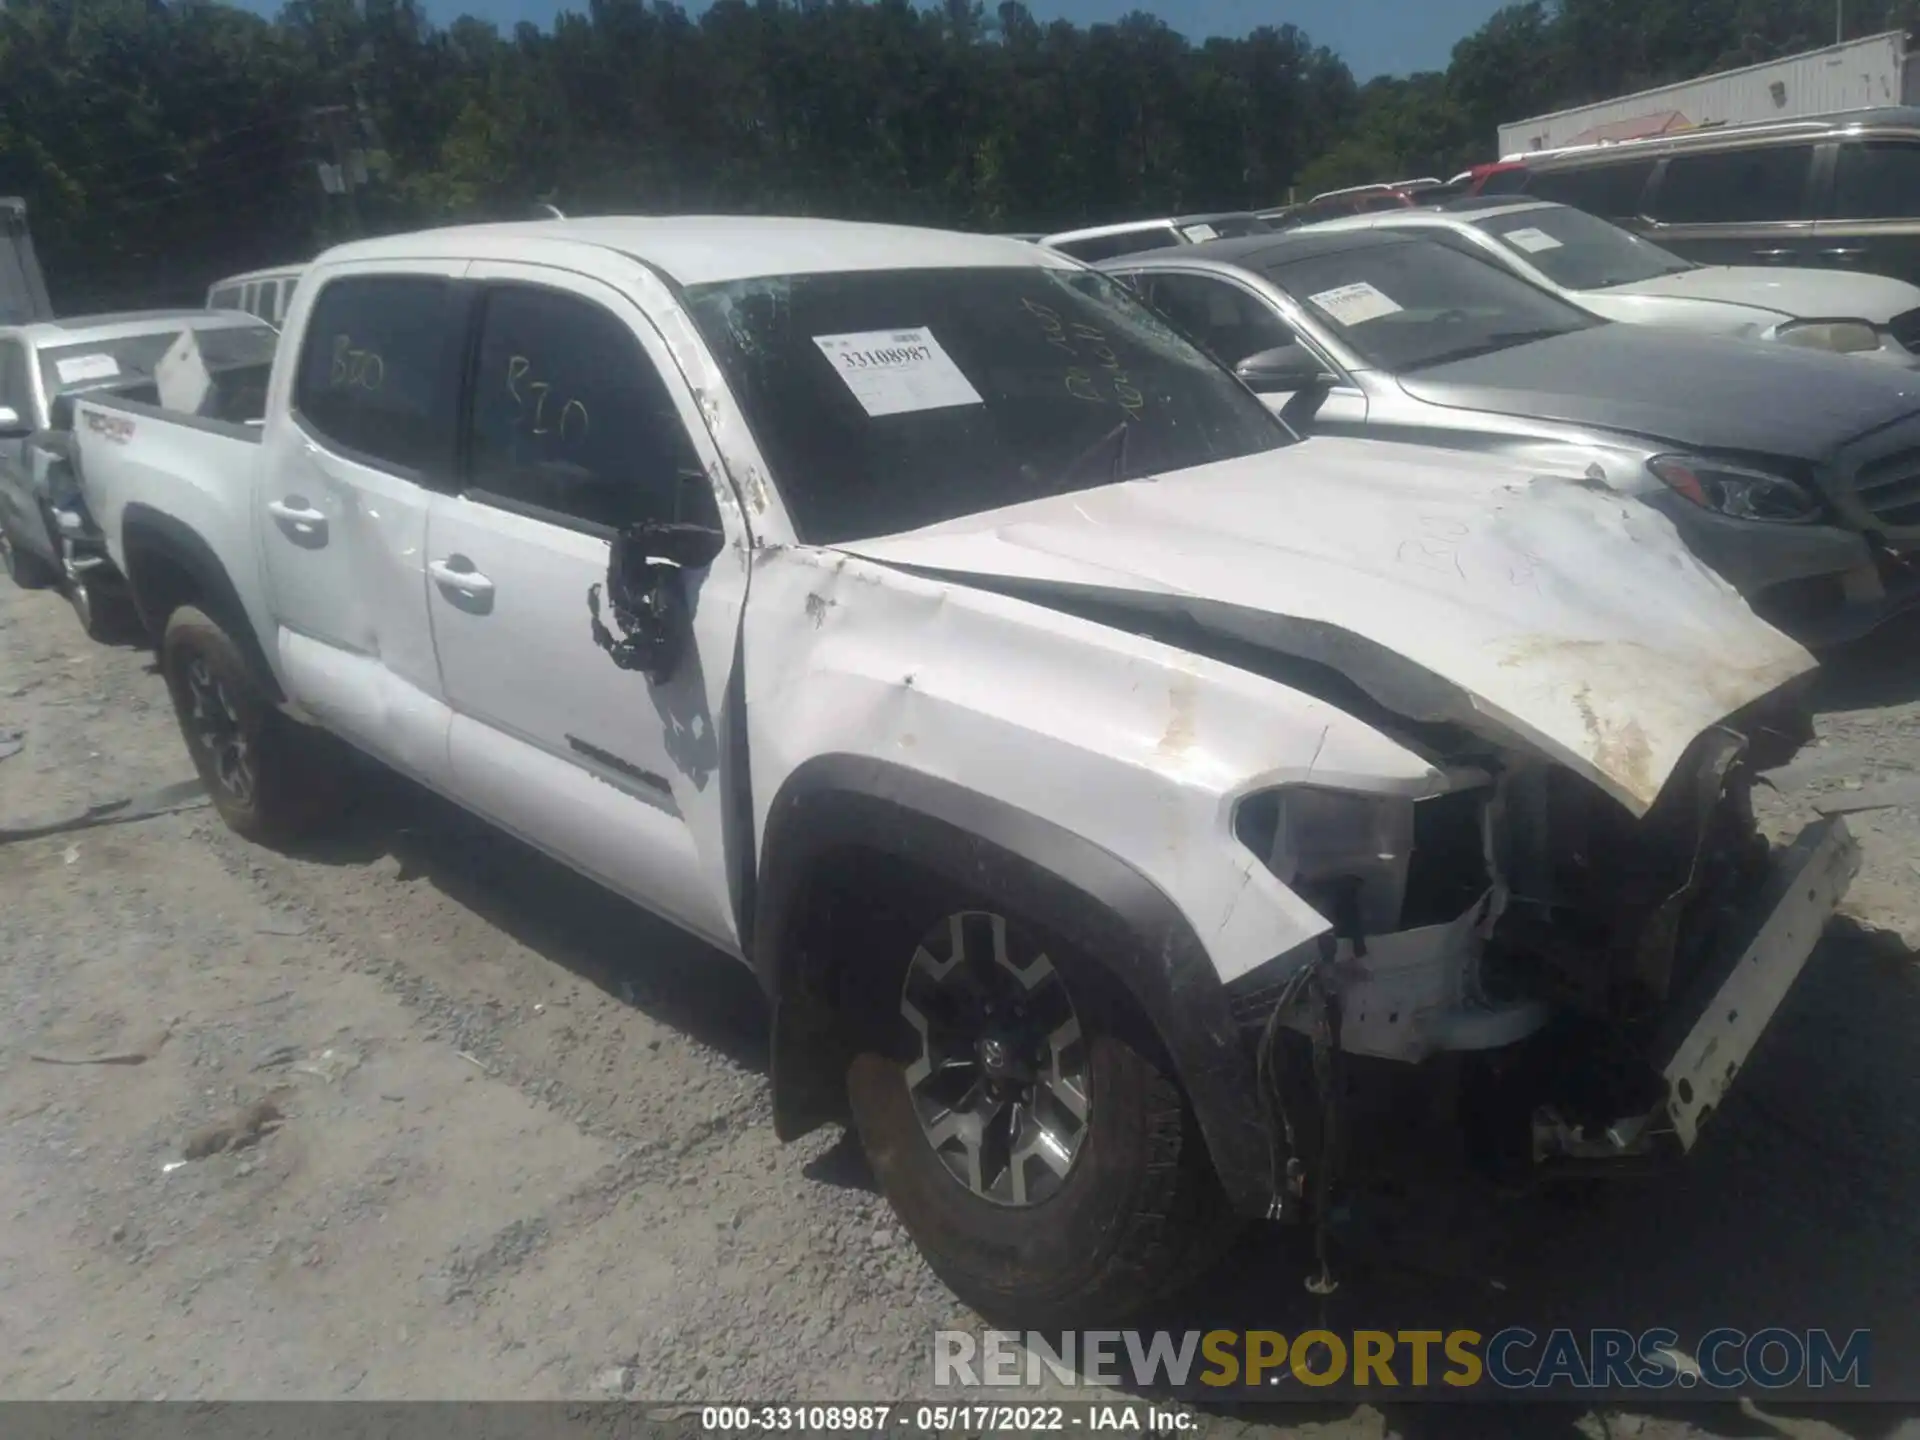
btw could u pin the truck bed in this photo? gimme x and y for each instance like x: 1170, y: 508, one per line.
x: 197, y: 472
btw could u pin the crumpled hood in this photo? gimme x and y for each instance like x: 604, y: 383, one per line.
x: 1544, y: 611
x: 1701, y: 391
x: 1796, y: 291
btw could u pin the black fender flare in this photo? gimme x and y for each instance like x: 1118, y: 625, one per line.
x: 1084, y: 893
x: 147, y: 534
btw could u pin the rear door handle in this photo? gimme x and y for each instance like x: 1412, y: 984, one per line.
x: 1845, y: 252
x: 1772, y: 254
x: 456, y: 573
x: 298, y: 518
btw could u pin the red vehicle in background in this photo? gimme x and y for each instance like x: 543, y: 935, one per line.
x: 1498, y: 177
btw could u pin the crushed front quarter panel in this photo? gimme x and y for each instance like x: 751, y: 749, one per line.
x: 1137, y: 746
x: 1545, y: 611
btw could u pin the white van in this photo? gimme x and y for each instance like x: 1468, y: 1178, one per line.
x: 262, y: 293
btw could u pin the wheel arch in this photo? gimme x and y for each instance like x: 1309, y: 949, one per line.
x: 1089, y: 897
x: 168, y: 565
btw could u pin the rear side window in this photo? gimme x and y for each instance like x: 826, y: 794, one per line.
x: 227, y: 297
x: 1228, y: 322
x: 1876, y: 180
x: 1610, y: 191
x: 376, y: 369
x: 1735, y: 187
x: 570, y: 417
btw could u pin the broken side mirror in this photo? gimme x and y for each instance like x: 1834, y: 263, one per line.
x: 646, y: 589
x: 12, y: 424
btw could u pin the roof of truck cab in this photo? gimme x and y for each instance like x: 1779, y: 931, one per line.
x: 705, y: 249
x: 118, y: 325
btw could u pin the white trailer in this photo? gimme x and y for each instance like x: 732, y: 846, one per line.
x: 1857, y: 75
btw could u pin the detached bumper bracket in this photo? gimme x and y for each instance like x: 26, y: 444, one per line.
x: 1810, y: 878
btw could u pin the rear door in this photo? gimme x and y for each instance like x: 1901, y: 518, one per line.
x: 1746, y: 206
x: 342, y: 515
x: 1871, y: 218
x: 577, y: 423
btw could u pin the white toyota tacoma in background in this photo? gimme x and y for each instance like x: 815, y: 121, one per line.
x: 1083, y: 764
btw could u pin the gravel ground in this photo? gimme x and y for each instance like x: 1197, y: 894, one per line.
x: 479, y: 1130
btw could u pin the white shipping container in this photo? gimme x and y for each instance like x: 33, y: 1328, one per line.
x: 1858, y: 75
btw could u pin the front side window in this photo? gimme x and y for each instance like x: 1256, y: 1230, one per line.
x: 377, y: 369
x: 1735, y: 187
x: 1876, y: 180
x: 226, y: 297
x: 1404, y: 304
x: 569, y: 416
x: 1230, y: 323
x: 886, y: 401
x: 1578, y: 250
x: 1613, y: 190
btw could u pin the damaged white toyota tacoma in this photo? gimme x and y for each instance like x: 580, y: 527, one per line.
x: 1083, y: 764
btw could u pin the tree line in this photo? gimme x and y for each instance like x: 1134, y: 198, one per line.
x: 162, y: 145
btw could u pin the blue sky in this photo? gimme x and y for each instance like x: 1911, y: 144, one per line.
x: 1374, y: 37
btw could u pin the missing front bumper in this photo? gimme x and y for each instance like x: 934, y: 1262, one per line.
x: 1733, y: 1003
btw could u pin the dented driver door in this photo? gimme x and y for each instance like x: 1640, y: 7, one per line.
x: 577, y: 425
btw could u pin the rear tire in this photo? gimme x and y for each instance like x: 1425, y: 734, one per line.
x: 1133, y: 1213
x: 23, y: 567
x: 271, y: 779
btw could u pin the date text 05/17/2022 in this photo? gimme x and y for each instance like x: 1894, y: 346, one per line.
x: 1127, y: 1418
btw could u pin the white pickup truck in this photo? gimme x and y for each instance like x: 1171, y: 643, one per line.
x: 1084, y: 764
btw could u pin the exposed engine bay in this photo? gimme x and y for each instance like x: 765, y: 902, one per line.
x: 1527, y: 923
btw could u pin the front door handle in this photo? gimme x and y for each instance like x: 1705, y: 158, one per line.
x: 299, y: 519
x: 456, y: 573
x: 1776, y: 254
x: 1845, y: 252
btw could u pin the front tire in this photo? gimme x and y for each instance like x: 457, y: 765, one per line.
x: 1043, y: 1157
x: 271, y: 779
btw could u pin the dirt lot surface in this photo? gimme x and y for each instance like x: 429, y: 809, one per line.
x: 475, y: 1129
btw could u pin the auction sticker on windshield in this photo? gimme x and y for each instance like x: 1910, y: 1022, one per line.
x: 77, y: 369
x: 1531, y: 240
x: 892, y: 372
x: 1354, y: 304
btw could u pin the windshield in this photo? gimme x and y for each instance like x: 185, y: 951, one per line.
x: 889, y: 400
x: 1404, y: 304
x: 237, y: 360
x: 1581, y: 251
